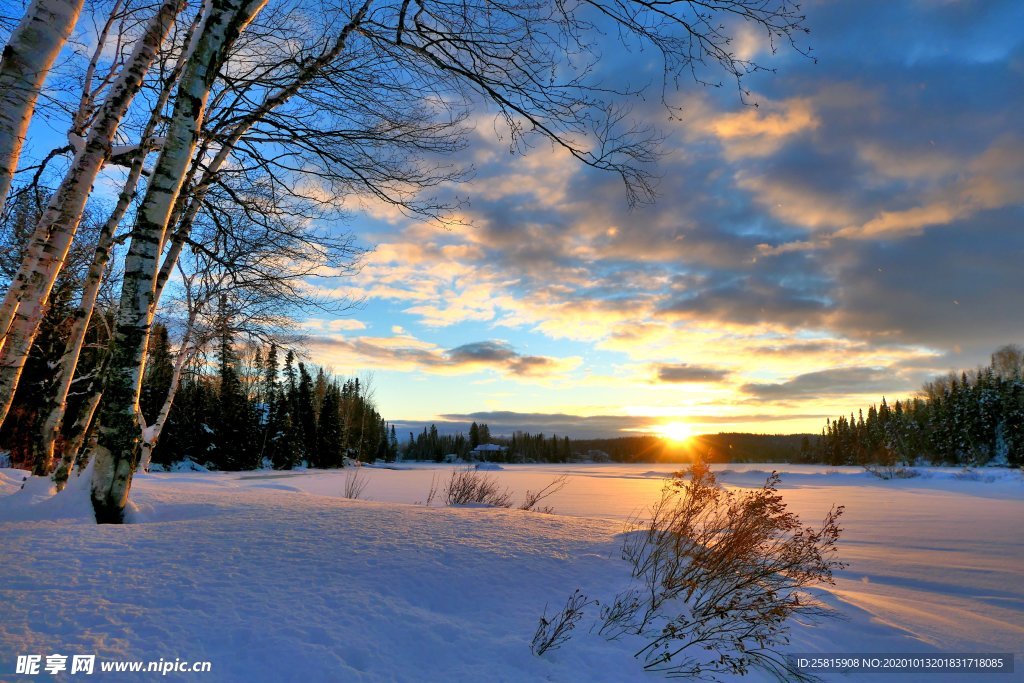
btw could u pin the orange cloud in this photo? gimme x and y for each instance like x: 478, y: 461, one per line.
x: 758, y: 132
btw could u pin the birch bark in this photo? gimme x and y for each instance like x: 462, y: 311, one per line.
x: 25, y: 302
x: 119, y: 434
x: 44, y: 454
x: 27, y: 59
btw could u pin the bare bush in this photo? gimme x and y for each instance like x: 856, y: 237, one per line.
x: 468, y: 486
x: 720, y: 572
x: 355, y: 482
x: 971, y: 474
x: 432, y: 493
x: 534, y: 497
x: 552, y: 633
x: 617, y: 616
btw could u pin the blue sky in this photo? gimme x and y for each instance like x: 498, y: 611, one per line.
x: 855, y: 233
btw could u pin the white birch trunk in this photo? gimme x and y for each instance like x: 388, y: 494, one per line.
x: 119, y: 434
x: 27, y: 59
x: 65, y: 370
x: 25, y: 303
x: 68, y: 363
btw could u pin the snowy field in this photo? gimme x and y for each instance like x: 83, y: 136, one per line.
x: 276, y: 577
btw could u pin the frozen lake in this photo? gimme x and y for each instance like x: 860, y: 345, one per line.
x: 938, y: 556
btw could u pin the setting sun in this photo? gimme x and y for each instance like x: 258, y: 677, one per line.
x: 675, y: 431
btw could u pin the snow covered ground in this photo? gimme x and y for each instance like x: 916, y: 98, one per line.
x: 276, y: 577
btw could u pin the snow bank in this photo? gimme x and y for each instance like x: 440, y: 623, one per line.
x: 11, y: 479
x: 270, y: 586
x: 34, y: 500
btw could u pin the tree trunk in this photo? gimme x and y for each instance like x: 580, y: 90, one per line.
x: 57, y: 403
x: 26, y: 61
x: 25, y: 302
x: 76, y: 440
x: 68, y: 363
x: 119, y: 435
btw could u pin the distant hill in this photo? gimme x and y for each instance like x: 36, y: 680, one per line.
x: 731, y: 447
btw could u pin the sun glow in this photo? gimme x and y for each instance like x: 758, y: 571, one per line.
x: 675, y: 431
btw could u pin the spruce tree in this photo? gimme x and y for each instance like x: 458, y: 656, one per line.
x: 233, y: 445
x: 305, y: 417
x: 330, y: 448
x: 159, y: 370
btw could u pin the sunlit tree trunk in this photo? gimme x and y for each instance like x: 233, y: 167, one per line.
x: 27, y: 59
x: 25, y: 303
x: 68, y: 363
x: 119, y: 433
x: 43, y: 448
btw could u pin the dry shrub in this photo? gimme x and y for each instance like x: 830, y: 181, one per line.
x: 718, y: 575
x: 532, y: 498
x: 432, y: 493
x: 355, y: 482
x: 469, y: 486
x: 551, y: 633
x: 892, y: 471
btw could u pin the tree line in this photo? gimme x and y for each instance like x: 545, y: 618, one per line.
x: 429, y: 444
x: 522, y: 446
x: 967, y: 418
x: 252, y: 410
x: 231, y: 406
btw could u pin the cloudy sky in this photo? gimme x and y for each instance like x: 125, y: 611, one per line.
x: 857, y: 232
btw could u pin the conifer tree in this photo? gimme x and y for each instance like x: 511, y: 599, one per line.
x: 159, y: 371
x: 330, y: 448
x: 305, y: 416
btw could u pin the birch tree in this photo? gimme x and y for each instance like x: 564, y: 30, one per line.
x: 199, y: 289
x: 26, y: 298
x: 27, y: 58
x: 56, y: 406
x: 118, y: 438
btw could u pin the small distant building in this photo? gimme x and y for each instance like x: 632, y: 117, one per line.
x: 486, y: 450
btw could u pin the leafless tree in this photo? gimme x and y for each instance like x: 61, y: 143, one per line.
x: 66, y: 366
x: 1008, y: 361
x: 25, y: 301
